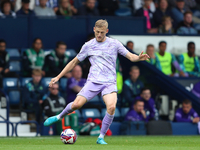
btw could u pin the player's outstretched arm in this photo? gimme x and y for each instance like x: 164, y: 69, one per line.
x: 134, y: 58
x: 67, y: 68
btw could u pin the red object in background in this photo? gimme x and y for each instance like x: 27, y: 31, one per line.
x: 99, y: 122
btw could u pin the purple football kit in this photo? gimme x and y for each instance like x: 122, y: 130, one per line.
x: 102, y: 74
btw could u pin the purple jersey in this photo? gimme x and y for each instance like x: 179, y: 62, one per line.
x: 102, y: 56
x: 72, y: 82
x: 180, y: 116
x: 148, y: 106
x: 132, y: 115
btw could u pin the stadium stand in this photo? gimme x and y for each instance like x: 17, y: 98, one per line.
x: 90, y: 113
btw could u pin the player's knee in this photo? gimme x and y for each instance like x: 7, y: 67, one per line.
x: 75, y: 106
x: 111, y: 109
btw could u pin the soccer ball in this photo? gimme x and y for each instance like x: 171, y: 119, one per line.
x: 68, y: 136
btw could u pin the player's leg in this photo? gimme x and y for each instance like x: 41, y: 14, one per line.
x: 76, y: 104
x: 110, y: 101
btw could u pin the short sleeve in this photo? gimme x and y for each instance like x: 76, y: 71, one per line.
x: 121, y: 49
x: 83, y: 53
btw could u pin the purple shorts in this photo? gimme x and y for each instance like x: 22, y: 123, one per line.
x: 90, y: 89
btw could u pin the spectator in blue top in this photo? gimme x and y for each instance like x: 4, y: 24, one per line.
x: 149, y: 103
x: 75, y: 84
x: 161, y: 11
x: 186, y: 26
x: 25, y: 9
x: 132, y: 86
x: 186, y: 113
x: 6, y: 9
x: 137, y: 112
x: 178, y: 11
x: 89, y: 9
x: 33, y: 94
x: 189, y: 62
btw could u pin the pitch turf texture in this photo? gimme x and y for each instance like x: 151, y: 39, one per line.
x: 114, y: 143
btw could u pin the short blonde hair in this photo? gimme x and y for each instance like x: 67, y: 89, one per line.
x: 101, y: 23
x: 37, y: 72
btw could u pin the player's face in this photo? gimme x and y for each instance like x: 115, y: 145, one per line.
x: 100, y: 33
x: 77, y: 72
x: 135, y: 74
x: 38, y: 44
x: 139, y: 106
x: 61, y: 49
x: 2, y: 46
x: 25, y: 6
x: 54, y: 89
x: 150, y: 51
x: 90, y: 4
x: 130, y: 45
x: 43, y: 3
x: 162, y: 47
x: 188, y: 18
x: 36, y: 78
x: 191, y: 49
x: 146, y: 95
x: 6, y: 8
x: 65, y: 3
x: 186, y: 108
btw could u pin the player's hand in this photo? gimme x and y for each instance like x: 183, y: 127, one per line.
x: 143, y: 56
x: 195, y: 120
x: 143, y: 113
x: 53, y: 80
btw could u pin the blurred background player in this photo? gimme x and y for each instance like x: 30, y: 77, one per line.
x: 33, y: 94
x: 186, y: 113
x: 132, y: 86
x: 136, y: 112
x: 165, y: 60
x: 189, y: 62
x: 56, y: 60
x: 149, y: 103
x: 33, y: 58
x: 75, y: 84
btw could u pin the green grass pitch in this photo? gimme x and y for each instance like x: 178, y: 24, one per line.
x: 114, y: 143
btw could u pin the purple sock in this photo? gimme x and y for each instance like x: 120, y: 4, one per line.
x: 107, y: 120
x: 66, y: 111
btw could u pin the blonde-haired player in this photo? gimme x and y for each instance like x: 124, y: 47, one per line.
x: 102, y: 52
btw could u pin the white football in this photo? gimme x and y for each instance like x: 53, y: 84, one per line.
x: 68, y: 136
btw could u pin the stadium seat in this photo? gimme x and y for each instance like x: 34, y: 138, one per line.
x: 117, y: 113
x: 95, y: 99
x: 124, y: 111
x: 123, y: 12
x: 10, y: 83
x: 24, y: 81
x: 71, y: 52
x: 90, y: 113
x: 46, y: 81
x: 63, y: 84
x: 15, y: 66
x: 13, y: 53
x: 14, y: 97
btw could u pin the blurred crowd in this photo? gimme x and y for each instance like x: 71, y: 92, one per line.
x: 136, y: 95
x: 162, y: 16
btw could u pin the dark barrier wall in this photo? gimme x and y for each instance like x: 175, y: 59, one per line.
x: 15, y: 32
x: 20, y: 32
